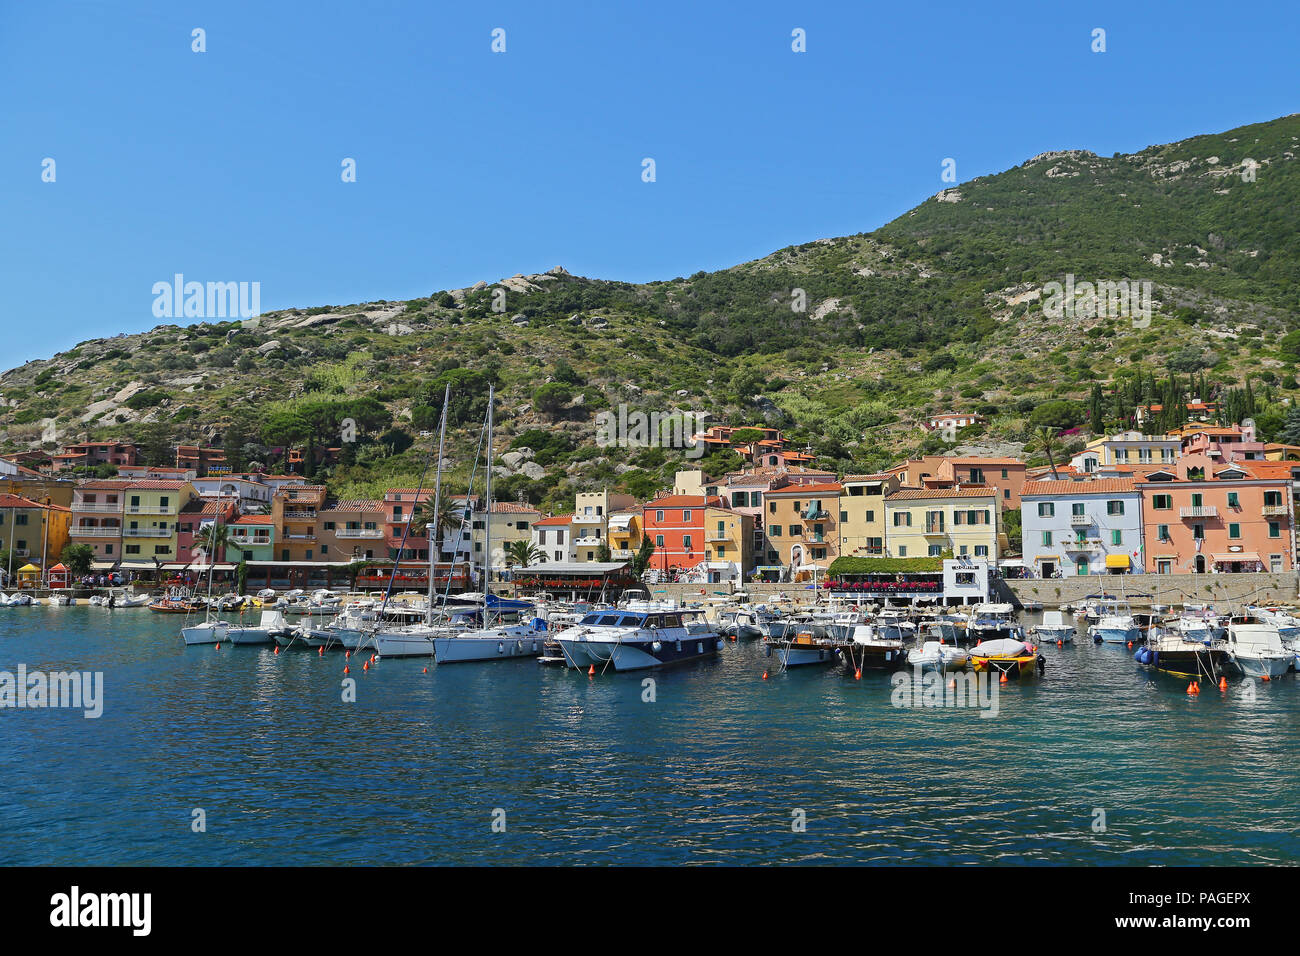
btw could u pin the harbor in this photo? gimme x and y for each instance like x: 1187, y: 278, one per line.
x: 588, y: 770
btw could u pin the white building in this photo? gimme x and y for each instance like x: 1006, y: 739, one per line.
x: 554, y: 537
x: 1081, y: 527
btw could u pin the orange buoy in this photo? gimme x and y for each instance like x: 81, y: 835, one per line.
x: 591, y: 671
x: 321, y: 649
x: 366, y: 666
x: 857, y: 674
x: 277, y: 648
x: 1060, y: 643
x: 1130, y: 645
x: 218, y: 645
x: 1003, y: 678
x: 1223, y: 683
x: 347, y: 654
x: 1193, y: 688
x: 345, y: 668
x: 1265, y: 677
x: 764, y: 675
x: 952, y: 684
x: 426, y: 670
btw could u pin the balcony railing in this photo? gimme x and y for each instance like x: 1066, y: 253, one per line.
x: 1275, y: 510
x: 154, y: 532
x: 621, y: 554
x: 934, y: 530
x: 98, y: 507
x: 1199, y: 511
x: 299, y: 537
x: 814, y: 514
x: 1080, y: 521
x: 96, y: 532
x: 1089, y: 544
x: 150, y: 510
x: 300, y: 515
x: 718, y: 536
x: 588, y: 519
x: 359, y: 533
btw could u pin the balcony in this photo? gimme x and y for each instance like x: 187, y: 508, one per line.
x: 98, y: 507
x: 814, y: 514
x: 1275, y: 510
x: 718, y: 536
x: 1089, y: 545
x: 298, y: 537
x: 1081, y: 521
x: 935, y: 531
x: 588, y: 519
x: 622, y: 554
x: 1199, y: 511
x: 302, y: 516
x: 154, y: 532
x: 96, y: 532
x: 358, y: 533
x: 150, y: 510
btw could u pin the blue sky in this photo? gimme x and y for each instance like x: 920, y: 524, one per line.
x: 225, y: 165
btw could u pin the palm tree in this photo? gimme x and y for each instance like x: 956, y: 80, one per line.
x: 449, y: 518
x: 523, y: 553
x: 1046, y: 437
x: 213, y: 541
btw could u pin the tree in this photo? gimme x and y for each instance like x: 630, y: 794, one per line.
x: 449, y: 518
x: 1060, y: 415
x: 78, y: 559
x: 523, y: 553
x: 642, y: 559
x: 1046, y: 439
x: 552, y: 397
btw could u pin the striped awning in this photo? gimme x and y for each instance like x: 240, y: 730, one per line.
x: 1235, y: 556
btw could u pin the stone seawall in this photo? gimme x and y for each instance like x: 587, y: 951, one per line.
x: 1263, y: 588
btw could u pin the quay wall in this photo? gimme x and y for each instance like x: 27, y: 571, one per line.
x: 1261, y: 588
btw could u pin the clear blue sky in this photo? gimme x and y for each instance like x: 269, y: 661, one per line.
x: 225, y: 165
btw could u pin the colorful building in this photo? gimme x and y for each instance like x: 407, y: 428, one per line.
x: 624, y: 534
x: 554, y: 537
x: 942, y: 522
x: 97, y: 509
x: 150, y: 522
x: 295, y: 512
x: 352, y: 530
x: 1078, y: 528
x: 591, y: 520
x: 33, y: 532
x: 862, y: 513
x: 1203, y: 516
x: 803, y: 525
x: 252, y: 538
x: 675, y: 523
x: 508, y: 522
x: 728, y: 544
x: 198, y: 515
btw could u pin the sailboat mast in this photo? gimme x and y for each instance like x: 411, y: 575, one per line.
x: 487, y: 520
x: 437, y: 501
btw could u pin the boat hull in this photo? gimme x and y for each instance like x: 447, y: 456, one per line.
x: 630, y: 655
x: 505, y: 645
x: 1270, y: 666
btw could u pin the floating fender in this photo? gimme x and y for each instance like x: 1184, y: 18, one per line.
x: 719, y: 643
x: 519, y: 647
x: 767, y: 650
x: 679, y: 647
x: 501, y: 647
x: 1153, y: 658
x: 699, y: 648
x: 657, y: 646
x: 1140, y: 655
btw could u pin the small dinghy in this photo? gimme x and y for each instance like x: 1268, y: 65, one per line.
x: 938, y: 656
x: 1005, y: 655
x: 1055, y: 628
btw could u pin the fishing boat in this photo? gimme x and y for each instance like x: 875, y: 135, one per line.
x: 993, y: 622
x: 894, y: 625
x: 1256, y: 648
x: 938, y: 656
x: 1006, y: 655
x: 861, y: 644
x: 1055, y: 629
x: 1166, y: 649
x: 1115, y: 624
x: 635, y: 640
x: 176, y: 601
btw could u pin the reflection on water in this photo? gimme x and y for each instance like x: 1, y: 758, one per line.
x: 586, y: 772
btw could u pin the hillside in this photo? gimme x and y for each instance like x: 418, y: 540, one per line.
x: 938, y: 310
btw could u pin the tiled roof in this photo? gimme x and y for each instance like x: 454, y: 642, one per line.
x: 254, y: 519
x: 677, y: 501
x: 157, y: 485
x: 556, y: 519
x: 1096, y: 486
x: 106, y: 484
x: 970, y: 491
x: 978, y: 460
x: 512, y: 507
x: 355, y: 504
x: 880, y: 476
x: 18, y: 501
x: 822, y: 489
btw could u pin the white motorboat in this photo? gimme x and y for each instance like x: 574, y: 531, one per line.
x: 271, y: 623
x: 17, y: 599
x: 1056, y: 628
x: 60, y: 600
x: 1115, y: 624
x: 634, y: 640
x: 1256, y: 647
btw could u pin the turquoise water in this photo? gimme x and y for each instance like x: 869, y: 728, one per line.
x: 713, y: 771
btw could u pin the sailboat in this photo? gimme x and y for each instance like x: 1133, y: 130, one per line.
x: 504, y: 640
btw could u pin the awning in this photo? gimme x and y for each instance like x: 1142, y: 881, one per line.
x: 619, y: 521
x: 1118, y: 561
x: 1235, y: 556
x: 102, y: 565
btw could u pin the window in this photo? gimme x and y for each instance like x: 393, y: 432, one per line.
x: 794, y: 531
x: 1162, y: 532
x: 1233, y: 500
x: 1117, y: 537
x: 1006, y: 492
x: 1114, y: 507
x: 1197, y: 499
x: 1273, y: 498
x: 1164, y: 566
x: 844, y: 516
x: 1004, y: 473
x: 902, y: 551
x: 329, y: 525
x: 324, y: 550
x: 20, y: 518
x: 871, y: 516
x: 1274, y: 529
x: 1046, y: 509
x: 1234, y: 531
x: 659, y: 516
x: 936, y: 550
x: 977, y: 476
x: 775, y: 531
x: 902, y: 519
x: 686, y: 517
x: 686, y: 542
x: 1162, y: 502
x: 1047, y: 539
x: 132, y: 549
x: 981, y: 550
x: 1198, y: 532
x: 659, y: 541
x: 1077, y: 509
x: 771, y: 507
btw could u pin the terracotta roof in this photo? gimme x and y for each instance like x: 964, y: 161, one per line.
x: 106, y: 484
x: 254, y: 519
x: 355, y: 504
x: 678, y: 501
x: 512, y: 507
x: 822, y: 489
x: 1268, y: 469
x: 158, y: 485
x: 204, y: 506
x: 1096, y: 486
x: 555, y: 519
x: 976, y: 459
x: 970, y: 491
x: 881, y: 476
x: 18, y: 501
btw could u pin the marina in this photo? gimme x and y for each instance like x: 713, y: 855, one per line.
x: 707, y: 772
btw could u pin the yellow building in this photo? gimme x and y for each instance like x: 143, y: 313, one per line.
x: 591, y: 511
x: 862, y: 513
x: 624, y: 535
x: 510, y: 522
x: 728, y: 544
x: 933, y: 522
x: 32, y: 531
x: 150, y: 512
x: 803, y: 524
